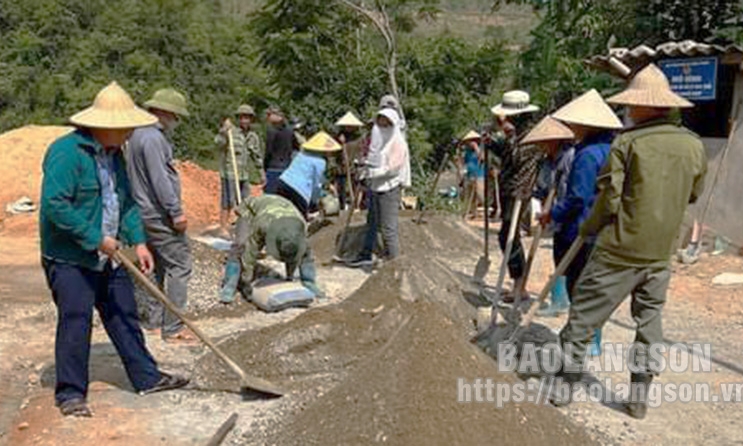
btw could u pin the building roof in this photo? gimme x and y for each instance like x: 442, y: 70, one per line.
x: 636, y: 58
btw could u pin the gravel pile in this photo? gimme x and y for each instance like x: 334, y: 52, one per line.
x: 203, y: 288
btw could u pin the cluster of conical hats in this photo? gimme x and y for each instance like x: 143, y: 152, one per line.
x: 649, y: 88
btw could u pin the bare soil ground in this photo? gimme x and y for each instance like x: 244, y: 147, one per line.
x: 377, y: 365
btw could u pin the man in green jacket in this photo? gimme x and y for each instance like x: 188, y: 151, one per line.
x: 248, y: 158
x: 273, y: 222
x: 655, y: 170
x: 87, y: 211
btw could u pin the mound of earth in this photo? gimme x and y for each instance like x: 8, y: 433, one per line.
x: 406, y: 393
x: 383, y: 365
x: 22, y: 151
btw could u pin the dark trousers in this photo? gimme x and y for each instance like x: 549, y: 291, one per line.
x: 517, y: 259
x: 76, y: 291
x: 340, y: 185
x: 272, y: 180
x: 383, y: 214
x: 562, y: 245
x: 173, y: 268
x: 286, y: 191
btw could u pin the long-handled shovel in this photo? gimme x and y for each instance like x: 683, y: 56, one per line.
x: 485, y: 331
x: 248, y: 382
x: 487, y: 314
x: 231, y: 143
x: 349, y: 177
x: 483, y: 264
x: 535, y: 241
x: 443, y: 165
x: 344, y: 233
x: 559, y: 271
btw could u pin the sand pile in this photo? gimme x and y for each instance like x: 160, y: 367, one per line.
x: 382, y: 366
x: 200, y: 193
x: 21, y: 154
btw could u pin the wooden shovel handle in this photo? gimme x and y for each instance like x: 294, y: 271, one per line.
x: 559, y: 271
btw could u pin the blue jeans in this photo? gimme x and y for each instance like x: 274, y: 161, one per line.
x: 76, y: 291
x: 384, y: 209
x: 272, y: 180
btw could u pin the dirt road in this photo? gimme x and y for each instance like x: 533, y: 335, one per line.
x: 696, y: 312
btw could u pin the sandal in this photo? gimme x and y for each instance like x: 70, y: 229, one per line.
x: 76, y: 407
x: 183, y: 337
x: 167, y: 382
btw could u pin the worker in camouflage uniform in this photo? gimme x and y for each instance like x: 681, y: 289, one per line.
x: 273, y: 222
x: 249, y: 160
x: 655, y: 169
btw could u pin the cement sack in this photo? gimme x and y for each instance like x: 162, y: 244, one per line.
x: 273, y: 295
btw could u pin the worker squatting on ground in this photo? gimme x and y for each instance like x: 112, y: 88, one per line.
x: 593, y: 123
x: 302, y: 182
x: 516, y: 179
x: 281, y: 144
x: 555, y: 140
x: 386, y: 171
x: 273, y: 222
x: 655, y: 170
x: 86, y: 210
x: 248, y: 163
x: 156, y: 187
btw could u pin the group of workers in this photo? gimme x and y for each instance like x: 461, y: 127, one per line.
x: 621, y: 191
x: 112, y: 182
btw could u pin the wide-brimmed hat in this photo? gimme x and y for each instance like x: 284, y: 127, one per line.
x: 168, y: 100
x: 548, y: 129
x: 322, y: 142
x: 113, y: 108
x: 286, y: 240
x: 650, y: 88
x: 514, y: 103
x: 470, y: 136
x: 245, y: 110
x: 349, y: 120
x: 590, y: 110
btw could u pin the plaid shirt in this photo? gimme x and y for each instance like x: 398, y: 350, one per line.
x: 519, y: 165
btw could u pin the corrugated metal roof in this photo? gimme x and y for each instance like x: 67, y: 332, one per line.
x: 643, y: 54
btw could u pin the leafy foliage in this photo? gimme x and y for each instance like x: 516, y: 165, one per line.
x: 56, y: 54
x: 571, y: 30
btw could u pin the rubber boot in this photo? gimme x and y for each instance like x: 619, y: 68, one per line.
x: 595, y: 347
x: 559, y: 303
x: 637, y: 407
x: 308, y: 276
x: 230, y: 282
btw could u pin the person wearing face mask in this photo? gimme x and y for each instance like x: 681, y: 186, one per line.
x: 387, y: 171
x: 156, y: 188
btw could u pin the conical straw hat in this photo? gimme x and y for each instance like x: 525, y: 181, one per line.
x: 650, y: 88
x: 322, y: 142
x: 548, y: 129
x: 471, y: 135
x: 113, y: 108
x: 589, y: 110
x: 349, y: 120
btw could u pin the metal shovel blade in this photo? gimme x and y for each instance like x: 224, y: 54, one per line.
x: 481, y: 269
